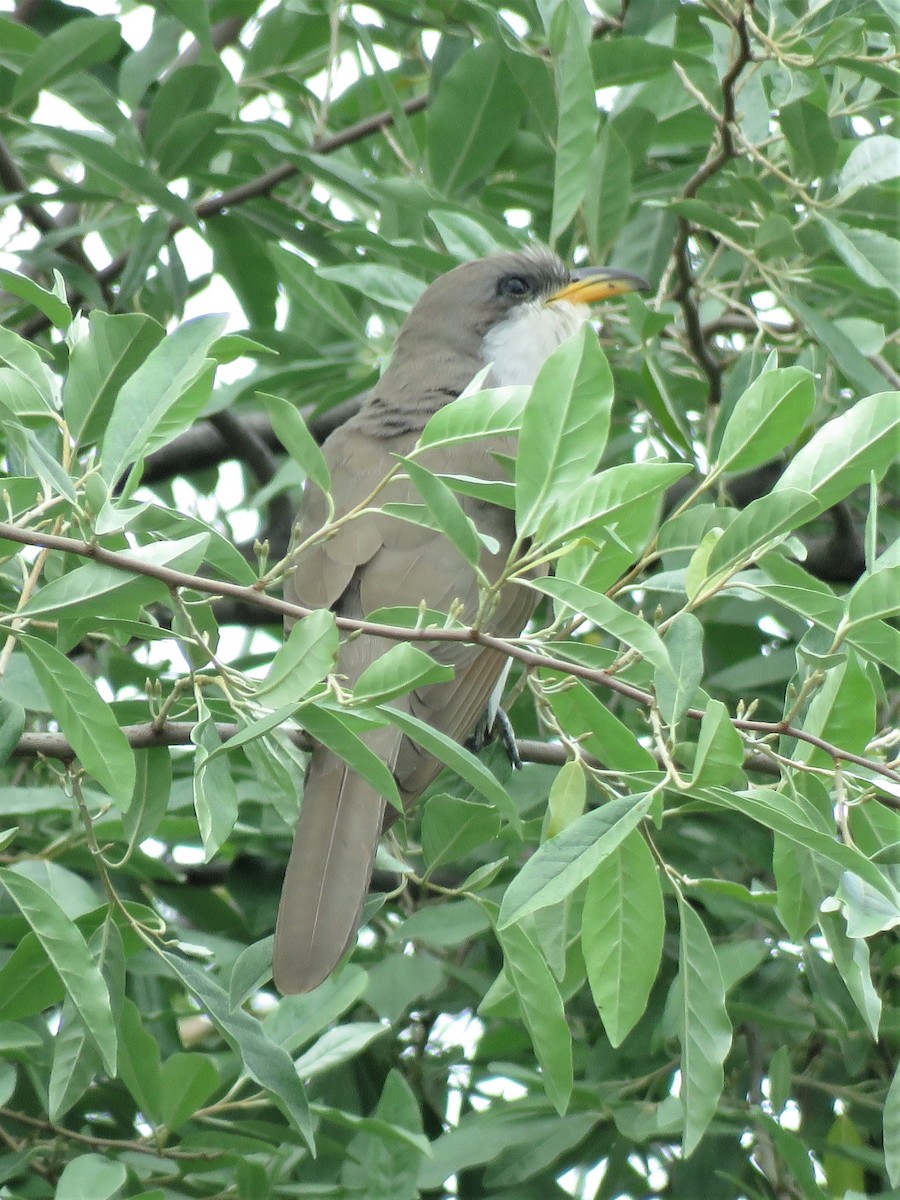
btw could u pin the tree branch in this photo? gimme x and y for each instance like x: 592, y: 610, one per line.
x: 148, y: 736
x: 174, y: 579
x: 715, y: 161
x: 253, y: 189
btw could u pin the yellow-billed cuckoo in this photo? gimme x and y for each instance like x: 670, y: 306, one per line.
x: 509, y: 311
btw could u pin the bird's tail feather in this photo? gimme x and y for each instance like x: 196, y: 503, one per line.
x: 328, y: 874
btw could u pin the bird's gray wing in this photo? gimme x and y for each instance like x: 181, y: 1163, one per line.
x: 379, y: 561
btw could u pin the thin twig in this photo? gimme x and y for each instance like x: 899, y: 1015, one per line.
x: 511, y: 648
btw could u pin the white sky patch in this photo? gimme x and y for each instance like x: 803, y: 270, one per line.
x: 517, y: 218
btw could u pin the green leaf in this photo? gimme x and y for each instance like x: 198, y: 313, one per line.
x: 386, y: 285
x: 124, y: 175
x: 153, y: 392
x: 577, y: 127
x: 302, y: 662
x: 215, y: 795
x: 337, y: 1046
x: 566, y: 800
x: 333, y: 731
x: 562, y: 863
x: 99, y: 364
x: 46, y: 302
x: 622, y: 934
x: 79, y: 43
x: 564, y: 427
x: 843, y: 454
x: 596, y: 507
x: 873, y: 160
x: 767, y: 417
x: 777, y: 811
x: 677, y: 681
x: 310, y: 289
x: 263, y: 1060
x: 456, y: 757
x: 452, y: 828
x: 762, y: 525
x: 542, y: 1011
x: 186, y: 1082
x: 489, y: 413
x: 70, y: 957
x: 584, y: 716
x: 85, y: 718
x: 91, y: 1177
x: 607, y: 615
x: 103, y: 588
x: 844, y: 352
x: 608, y: 199
x: 293, y: 433
x: 873, y: 255
x: 720, y: 751
x: 875, y: 595
x: 705, y: 1027
x: 399, y: 670
x: 446, y: 511
x: 472, y: 118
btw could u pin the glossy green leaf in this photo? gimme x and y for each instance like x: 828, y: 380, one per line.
x: 446, y: 511
x: 104, y: 588
x: 99, y: 364
x: 766, y: 418
x: 562, y: 863
x: 263, y: 1060
x: 80, y: 43
x: 399, y: 670
x: 577, y: 126
x: 564, y: 427
x: 302, y: 662
x: 542, y: 1011
x: 452, y: 827
x: 622, y: 934
x: 70, y: 957
x: 844, y: 453
x: 215, y: 795
x: 676, y: 681
x: 472, y: 118
x: 492, y: 412
x: 85, y: 718
x: 293, y: 433
x: 91, y: 1177
x: 165, y: 376
x: 456, y: 757
x: 705, y: 1027
x: 873, y: 255
x: 607, y: 615
x: 46, y: 302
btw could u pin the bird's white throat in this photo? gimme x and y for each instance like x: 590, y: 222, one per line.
x: 519, y: 346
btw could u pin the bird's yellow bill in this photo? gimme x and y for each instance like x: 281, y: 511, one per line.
x: 590, y: 284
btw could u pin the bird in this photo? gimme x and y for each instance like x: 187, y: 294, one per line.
x: 507, y: 312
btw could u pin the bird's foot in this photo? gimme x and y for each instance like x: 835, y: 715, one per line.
x: 501, y: 727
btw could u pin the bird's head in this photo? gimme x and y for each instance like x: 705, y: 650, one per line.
x: 511, y: 310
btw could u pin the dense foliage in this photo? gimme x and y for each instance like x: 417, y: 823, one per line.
x: 657, y: 961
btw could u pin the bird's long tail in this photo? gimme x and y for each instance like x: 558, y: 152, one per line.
x: 328, y: 874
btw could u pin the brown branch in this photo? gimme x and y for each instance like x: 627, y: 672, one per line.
x: 253, y: 189
x: 174, y: 579
x: 717, y: 158
x: 14, y: 181
x: 148, y: 736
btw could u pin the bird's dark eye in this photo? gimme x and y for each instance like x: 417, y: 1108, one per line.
x: 515, y: 286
